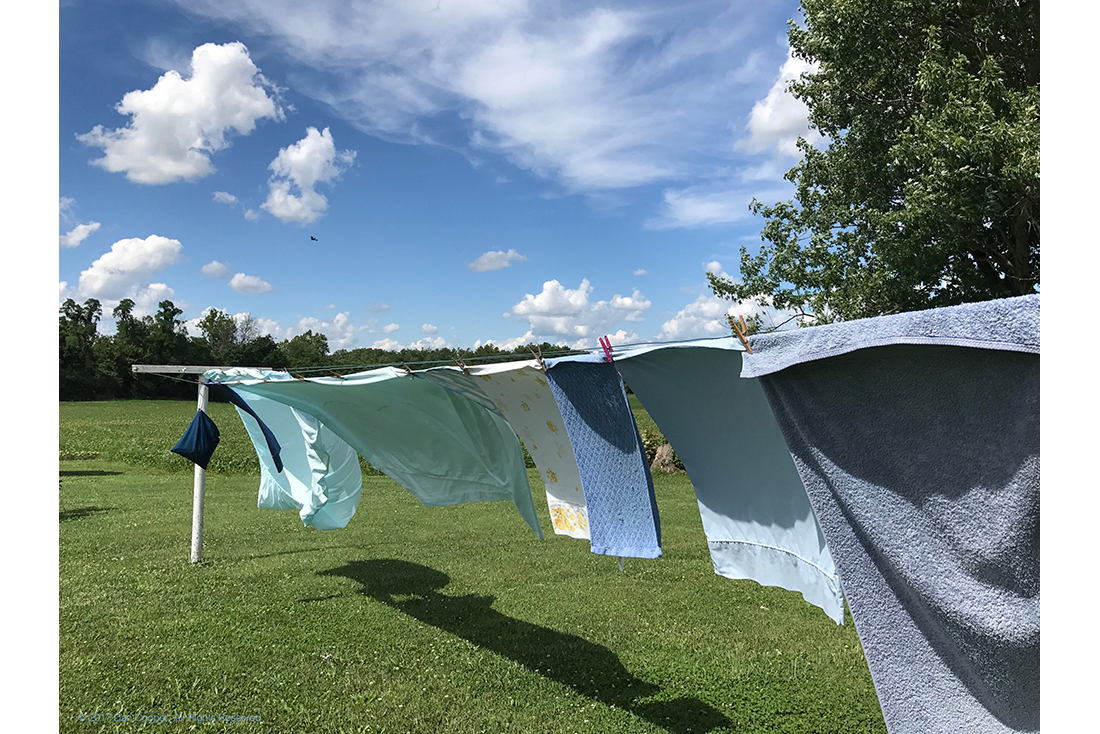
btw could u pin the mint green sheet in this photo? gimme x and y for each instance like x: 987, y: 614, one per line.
x: 442, y: 447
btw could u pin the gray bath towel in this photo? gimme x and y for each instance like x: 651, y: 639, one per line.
x: 917, y: 438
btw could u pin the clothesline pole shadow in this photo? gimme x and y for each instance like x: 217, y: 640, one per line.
x: 591, y: 670
x: 79, y: 513
x: 87, y: 473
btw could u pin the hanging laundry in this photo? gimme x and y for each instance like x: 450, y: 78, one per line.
x: 756, y: 515
x: 198, y: 442
x: 321, y: 477
x: 227, y: 394
x: 618, y: 489
x: 520, y: 392
x: 917, y: 438
x: 440, y: 446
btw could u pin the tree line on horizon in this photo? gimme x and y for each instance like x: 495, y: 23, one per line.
x: 95, y: 366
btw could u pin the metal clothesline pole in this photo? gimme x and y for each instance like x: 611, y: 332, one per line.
x: 199, y: 495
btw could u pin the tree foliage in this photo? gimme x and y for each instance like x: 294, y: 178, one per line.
x: 94, y: 366
x: 927, y: 194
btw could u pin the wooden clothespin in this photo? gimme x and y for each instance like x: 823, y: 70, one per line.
x: 462, y: 366
x: 297, y: 376
x: 336, y: 374
x: 538, y: 358
x: 606, y: 344
x: 742, y: 332
x: 406, y: 368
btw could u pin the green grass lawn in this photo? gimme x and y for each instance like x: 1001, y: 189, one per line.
x: 412, y: 619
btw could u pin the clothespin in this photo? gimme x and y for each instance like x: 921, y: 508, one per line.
x: 606, y: 344
x: 406, y: 368
x: 336, y: 374
x: 297, y: 376
x: 462, y: 366
x: 742, y: 332
x: 538, y: 358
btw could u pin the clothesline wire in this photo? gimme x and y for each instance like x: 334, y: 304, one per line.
x: 501, y: 357
x: 508, y: 357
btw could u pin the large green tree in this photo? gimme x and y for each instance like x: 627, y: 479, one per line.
x: 305, y: 350
x: 925, y: 190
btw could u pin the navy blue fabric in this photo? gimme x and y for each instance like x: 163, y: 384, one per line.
x: 199, y: 440
x: 228, y: 394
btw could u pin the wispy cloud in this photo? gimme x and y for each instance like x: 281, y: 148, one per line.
x: 495, y: 260
x: 592, y: 97
x: 77, y: 234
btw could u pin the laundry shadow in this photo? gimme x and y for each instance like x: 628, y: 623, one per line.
x: 79, y: 513
x: 88, y: 473
x: 589, y: 669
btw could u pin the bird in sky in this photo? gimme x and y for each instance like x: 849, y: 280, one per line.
x: 313, y: 238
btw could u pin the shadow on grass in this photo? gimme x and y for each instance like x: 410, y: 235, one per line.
x: 79, y: 513
x: 589, y: 669
x: 312, y: 549
x: 88, y: 473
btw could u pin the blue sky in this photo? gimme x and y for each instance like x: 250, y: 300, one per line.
x: 472, y: 171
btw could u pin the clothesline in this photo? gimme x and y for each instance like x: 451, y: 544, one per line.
x: 506, y: 357
x: 499, y: 357
x: 793, y: 452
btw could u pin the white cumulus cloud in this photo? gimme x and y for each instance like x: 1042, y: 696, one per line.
x: 641, y: 271
x: 224, y: 197
x: 341, y: 332
x: 128, y: 266
x: 215, y: 269
x: 251, y: 215
x: 568, y: 313
x: 387, y: 344
x: 429, y: 329
x: 78, y: 234
x: 777, y: 121
x: 147, y: 300
x: 339, y: 329
x: 178, y: 123
x: 390, y: 328
x: 429, y: 342
x: 495, y: 260
x: 242, y: 283
x: 299, y: 167
x: 707, y: 315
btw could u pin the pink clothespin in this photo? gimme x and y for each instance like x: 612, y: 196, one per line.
x: 606, y: 344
